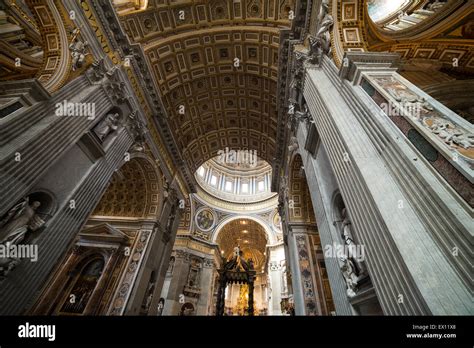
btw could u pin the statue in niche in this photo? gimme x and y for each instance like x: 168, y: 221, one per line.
x: 346, y: 232
x: 193, y: 277
x: 351, y: 278
x: 323, y: 33
x: 161, y: 305
x: 323, y: 11
x: 15, y: 225
x: 305, y: 115
x: 78, y: 50
x: 293, y: 144
x: 171, y: 265
x: 107, y: 126
x: 13, y: 228
x: 149, y: 297
x: 187, y: 310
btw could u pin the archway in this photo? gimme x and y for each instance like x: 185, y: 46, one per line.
x: 311, y: 283
x: 251, y: 238
x: 119, y: 229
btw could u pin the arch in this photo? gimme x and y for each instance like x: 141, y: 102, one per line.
x: 238, y: 177
x: 49, y: 203
x: 337, y: 204
x: 161, y: 305
x: 187, y: 309
x: 271, y: 238
x: 42, y: 214
x: 251, y: 238
x: 25, y: 47
x: 236, y: 104
x: 301, y: 207
x: 135, y: 190
x: 52, y: 18
x: 214, y: 101
x: 442, y: 37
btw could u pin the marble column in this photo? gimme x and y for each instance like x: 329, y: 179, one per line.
x: 175, y: 296
x: 61, y: 230
x: 207, y: 279
x: 376, y: 168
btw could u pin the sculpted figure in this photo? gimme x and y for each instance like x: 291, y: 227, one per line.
x: 436, y: 5
x: 18, y: 220
x: 78, y: 50
x: 14, y: 227
x: 346, y: 232
x: 107, y: 126
x: 347, y: 268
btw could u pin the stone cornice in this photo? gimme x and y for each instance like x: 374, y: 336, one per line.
x: 157, y: 114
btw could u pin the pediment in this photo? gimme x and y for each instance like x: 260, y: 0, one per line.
x: 104, y: 233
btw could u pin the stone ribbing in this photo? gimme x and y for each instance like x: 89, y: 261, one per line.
x: 19, y: 291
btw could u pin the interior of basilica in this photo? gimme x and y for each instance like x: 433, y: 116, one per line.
x: 236, y: 157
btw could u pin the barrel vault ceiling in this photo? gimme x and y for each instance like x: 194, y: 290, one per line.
x: 216, y: 65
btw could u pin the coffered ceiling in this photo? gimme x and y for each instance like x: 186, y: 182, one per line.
x: 251, y: 237
x: 216, y: 65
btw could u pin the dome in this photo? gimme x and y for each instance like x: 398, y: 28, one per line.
x: 234, y: 176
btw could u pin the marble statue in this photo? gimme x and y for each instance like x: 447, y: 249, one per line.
x: 305, y: 115
x: 234, y: 262
x: 293, y: 144
x: 78, y: 50
x: 149, y: 298
x: 323, y: 35
x: 98, y: 70
x: 18, y: 220
x: 435, y: 6
x: 107, y: 126
x: 160, y: 307
x: 346, y: 232
x: 171, y: 265
x: 137, y: 128
x: 351, y: 278
x: 13, y: 229
x: 237, y: 251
